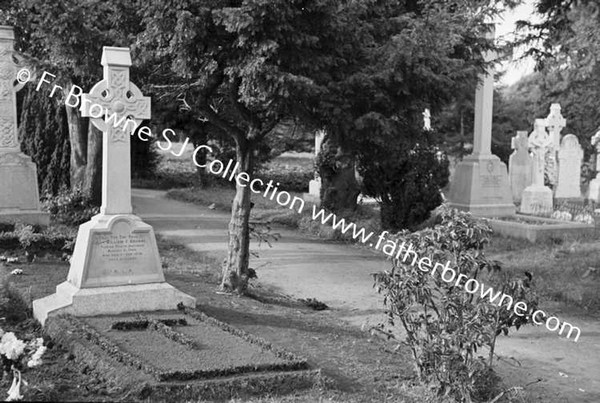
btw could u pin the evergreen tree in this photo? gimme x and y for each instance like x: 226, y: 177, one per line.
x: 44, y: 136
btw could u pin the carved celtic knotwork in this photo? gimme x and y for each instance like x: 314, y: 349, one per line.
x: 8, y: 138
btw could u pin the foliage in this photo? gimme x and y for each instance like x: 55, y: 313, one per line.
x: 44, y: 137
x: 408, y: 186
x: 291, y: 179
x: 71, y: 207
x: 445, y: 325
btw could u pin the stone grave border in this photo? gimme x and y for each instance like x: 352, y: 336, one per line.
x: 105, y: 359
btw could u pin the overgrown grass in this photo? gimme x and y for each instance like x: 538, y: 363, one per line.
x: 564, y: 271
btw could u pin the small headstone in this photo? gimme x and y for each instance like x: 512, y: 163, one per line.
x: 570, y: 156
x: 19, y: 198
x: 115, y: 266
x: 314, y: 186
x: 427, y: 119
x: 537, y: 198
x: 519, y: 165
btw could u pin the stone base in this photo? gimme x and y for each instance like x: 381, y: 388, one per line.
x: 310, y: 198
x: 19, y: 198
x: 536, y: 199
x: 594, y: 190
x: 26, y: 217
x: 480, y: 186
x: 109, y: 300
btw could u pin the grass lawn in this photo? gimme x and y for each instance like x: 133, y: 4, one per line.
x: 356, y: 366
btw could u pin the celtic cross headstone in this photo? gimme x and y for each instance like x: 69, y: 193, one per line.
x: 115, y: 266
x: 19, y: 198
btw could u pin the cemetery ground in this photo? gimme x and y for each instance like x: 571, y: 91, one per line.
x: 357, y: 366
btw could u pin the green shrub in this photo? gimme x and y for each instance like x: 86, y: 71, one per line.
x: 70, y: 207
x: 291, y: 179
x: 445, y: 325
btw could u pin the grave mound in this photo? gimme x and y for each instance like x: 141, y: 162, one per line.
x: 179, y: 355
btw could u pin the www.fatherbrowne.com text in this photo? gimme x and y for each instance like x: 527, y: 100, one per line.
x: 270, y: 191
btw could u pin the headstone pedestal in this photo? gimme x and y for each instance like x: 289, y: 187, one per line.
x: 115, y: 266
x: 480, y: 181
x: 19, y: 198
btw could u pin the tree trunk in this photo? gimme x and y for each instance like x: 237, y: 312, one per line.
x: 93, y: 169
x: 339, y: 188
x: 78, y: 139
x: 235, y: 269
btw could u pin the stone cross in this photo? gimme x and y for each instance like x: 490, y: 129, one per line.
x: 519, y: 165
x: 115, y: 94
x: 9, y: 140
x: 555, y: 123
x: 427, y: 119
x: 539, y: 141
x: 484, y: 101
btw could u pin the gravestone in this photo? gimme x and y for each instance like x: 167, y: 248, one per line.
x: 570, y: 156
x: 519, y: 165
x: 554, y: 123
x: 427, y: 120
x: 480, y: 182
x: 537, y: 198
x: 19, y: 198
x: 115, y: 266
x: 314, y: 186
x: 594, y: 188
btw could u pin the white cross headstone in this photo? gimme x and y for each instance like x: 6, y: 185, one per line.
x: 555, y: 123
x: 115, y: 94
x: 537, y: 198
x: 19, y: 198
x: 115, y: 266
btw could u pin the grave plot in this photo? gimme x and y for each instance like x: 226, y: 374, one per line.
x: 180, y: 355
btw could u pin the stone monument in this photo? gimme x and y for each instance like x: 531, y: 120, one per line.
x: 115, y: 266
x: 314, y: 186
x: 554, y: 123
x: 480, y: 182
x: 570, y: 156
x: 537, y: 198
x: 519, y: 165
x: 594, y: 189
x: 427, y: 120
x: 19, y: 198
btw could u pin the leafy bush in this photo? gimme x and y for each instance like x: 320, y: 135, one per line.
x: 70, y: 207
x: 290, y: 178
x: 405, y: 174
x: 445, y: 325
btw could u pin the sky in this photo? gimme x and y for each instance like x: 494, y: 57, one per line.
x: 505, y: 27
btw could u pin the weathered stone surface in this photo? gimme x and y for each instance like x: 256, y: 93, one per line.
x: 19, y: 198
x: 480, y: 181
x: 570, y: 156
x: 115, y: 265
x: 519, y: 165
